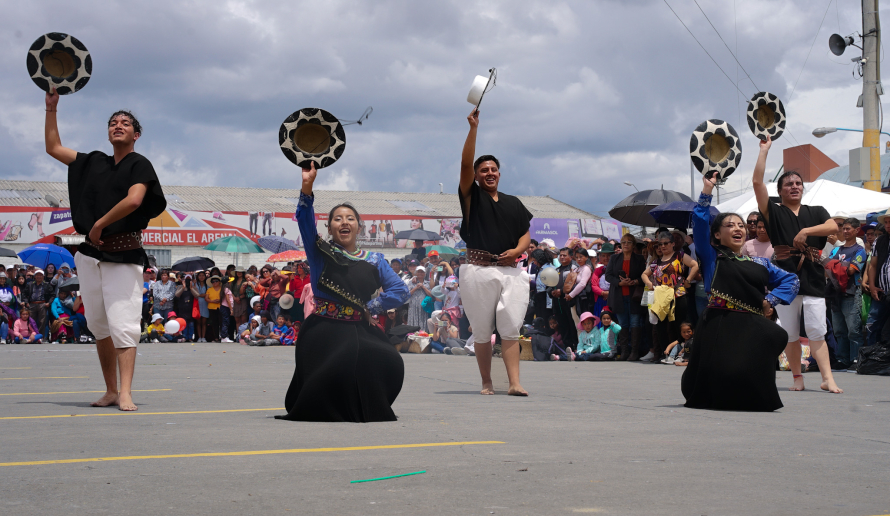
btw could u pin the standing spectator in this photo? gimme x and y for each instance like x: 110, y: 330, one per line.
x: 146, y: 295
x: 18, y: 290
x: 227, y: 301
x: 673, y: 269
x: 878, y: 284
x: 163, y: 292
x: 297, y: 282
x: 624, y: 274
x: 396, y: 265
x: 186, y: 294
x: 418, y: 290
x: 541, y: 259
x: 214, y: 296
x: 845, y: 267
x: 276, y: 283
x: 63, y: 274
x: 239, y: 311
x: 561, y: 307
x: 201, y: 293
x: 798, y: 232
x: 751, y: 225
x: 760, y: 245
x: 38, y: 295
x: 581, y: 296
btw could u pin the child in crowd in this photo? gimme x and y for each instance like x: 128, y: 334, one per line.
x: 155, y: 330
x: 178, y: 336
x: 556, y: 343
x: 262, y: 335
x: 252, y: 325
x: 293, y: 331
x: 608, y: 337
x: 280, y: 329
x: 24, y: 330
x: 588, y: 337
x: 678, y: 351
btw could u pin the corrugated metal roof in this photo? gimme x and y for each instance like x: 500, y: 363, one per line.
x: 221, y: 198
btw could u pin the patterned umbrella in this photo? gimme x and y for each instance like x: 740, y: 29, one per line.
x: 287, y: 256
x: 234, y: 244
x: 277, y: 244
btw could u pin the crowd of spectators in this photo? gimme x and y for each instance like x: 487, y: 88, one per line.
x: 36, y: 306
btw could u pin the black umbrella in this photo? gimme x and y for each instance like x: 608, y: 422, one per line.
x: 70, y: 284
x: 4, y: 252
x: 417, y: 234
x: 634, y: 209
x: 192, y: 264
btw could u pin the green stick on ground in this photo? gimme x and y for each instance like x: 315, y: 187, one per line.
x: 387, y: 478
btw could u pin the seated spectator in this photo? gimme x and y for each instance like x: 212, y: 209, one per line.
x: 293, y: 332
x: 280, y: 329
x: 588, y: 337
x: 24, y: 330
x: 65, y: 307
x: 246, y: 333
x: 445, y: 338
x: 262, y: 335
x: 678, y: 351
x: 179, y: 335
x: 156, y: 331
x: 608, y: 337
x: 557, y: 350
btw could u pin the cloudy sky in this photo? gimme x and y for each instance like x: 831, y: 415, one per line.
x: 590, y: 93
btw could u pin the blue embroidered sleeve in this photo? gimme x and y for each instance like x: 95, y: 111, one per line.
x: 783, y: 285
x: 309, y: 233
x: 395, y: 292
x: 701, y: 229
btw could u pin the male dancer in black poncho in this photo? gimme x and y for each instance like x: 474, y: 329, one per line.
x: 493, y: 289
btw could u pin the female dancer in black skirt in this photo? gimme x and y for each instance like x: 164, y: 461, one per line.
x: 733, y: 362
x: 347, y: 370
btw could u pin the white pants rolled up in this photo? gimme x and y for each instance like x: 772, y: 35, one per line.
x: 112, y: 299
x: 494, y: 298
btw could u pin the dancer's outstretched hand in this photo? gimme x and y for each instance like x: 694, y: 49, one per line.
x: 52, y: 99
x: 309, y: 175
x: 474, y: 118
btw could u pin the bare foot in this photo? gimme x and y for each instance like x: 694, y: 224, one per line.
x: 517, y: 391
x: 487, y: 388
x: 798, y: 385
x: 832, y: 387
x: 109, y: 399
x: 126, y: 402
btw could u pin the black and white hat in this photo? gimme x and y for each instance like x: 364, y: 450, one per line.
x: 59, y: 60
x: 312, y: 135
x: 766, y: 116
x: 715, y: 147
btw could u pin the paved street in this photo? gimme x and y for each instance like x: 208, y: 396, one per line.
x: 603, y: 438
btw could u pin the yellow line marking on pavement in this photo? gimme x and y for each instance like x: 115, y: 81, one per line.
x: 11, y: 368
x: 119, y: 413
x: 44, y: 377
x: 73, y: 392
x: 245, y: 453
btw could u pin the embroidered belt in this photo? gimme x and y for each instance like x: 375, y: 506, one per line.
x: 785, y: 252
x: 724, y: 302
x: 481, y: 258
x: 337, y: 311
x: 118, y: 242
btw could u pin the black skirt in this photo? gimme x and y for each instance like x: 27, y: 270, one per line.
x: 345, y: 371
x: 733, y: 362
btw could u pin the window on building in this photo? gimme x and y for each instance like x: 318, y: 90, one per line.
x: 163, y: 257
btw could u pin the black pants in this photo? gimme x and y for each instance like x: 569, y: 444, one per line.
x: 212, y: 332
x: 669, y: 331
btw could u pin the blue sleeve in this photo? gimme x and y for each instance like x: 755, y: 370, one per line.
x: 306, y: 222
x: 56, y: 308
x: 395, y: 292
x: 783, y: 285
x: 701, y: 229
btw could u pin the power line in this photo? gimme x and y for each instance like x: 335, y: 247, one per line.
x: 811, y: 49
x: 702, y: 47
x: 724, y: 42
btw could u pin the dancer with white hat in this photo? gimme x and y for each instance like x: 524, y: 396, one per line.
x: 494, y: 290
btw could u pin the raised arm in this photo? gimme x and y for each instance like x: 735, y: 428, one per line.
x: 760, y: 191
x: 467, y: 174
x: 51, y: 131
x: 701, y: 233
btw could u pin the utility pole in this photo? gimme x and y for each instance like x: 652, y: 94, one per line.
x: 871, y: 77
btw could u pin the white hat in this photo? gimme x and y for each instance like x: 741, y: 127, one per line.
x: 255, y: 299
x: 39, y: 271
x: 420, y: 268
x: 549, y: 243
x: 591, y: 253
x: 286, y: 301
x: 155, y: 317
x: 257, y: 318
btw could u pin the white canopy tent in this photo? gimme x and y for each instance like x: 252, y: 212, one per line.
x: 839, y: 199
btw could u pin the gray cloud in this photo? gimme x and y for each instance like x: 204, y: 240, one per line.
x: 590, y: 94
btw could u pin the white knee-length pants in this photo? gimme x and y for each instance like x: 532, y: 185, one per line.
x: 112, y: 299
x: 494, y: 298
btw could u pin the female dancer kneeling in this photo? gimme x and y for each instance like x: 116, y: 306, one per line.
x: 347, y: 370
x: 733, y: 364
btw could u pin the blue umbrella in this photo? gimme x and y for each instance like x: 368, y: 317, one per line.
x: 677, y: 214
x: 41, y: 255
x: 276, y: 244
